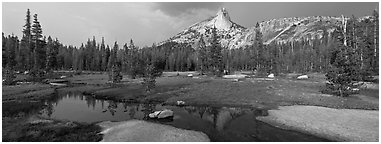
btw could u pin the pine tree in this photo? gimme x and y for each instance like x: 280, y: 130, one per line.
x: 10, y: 46
x: 344, y: 69
x: 125, y: 59
x: 375, y: 62
x: 202, y: 55
x: 114, y: 66
x: 135, y: 62
x: 38, y: 50
x: 51, y: 54
x: 4, y: 50
x: 26, y: 47
x: 216, y: 65
x: 260, y: 58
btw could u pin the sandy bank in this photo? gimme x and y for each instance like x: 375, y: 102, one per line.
x: 334, y: 124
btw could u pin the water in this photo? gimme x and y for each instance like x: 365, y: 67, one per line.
x: 219, y: 123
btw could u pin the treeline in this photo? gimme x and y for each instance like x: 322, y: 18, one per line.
x: 34, y: 51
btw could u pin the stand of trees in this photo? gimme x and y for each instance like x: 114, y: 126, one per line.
x: 36, y: 53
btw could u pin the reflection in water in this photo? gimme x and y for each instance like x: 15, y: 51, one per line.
x: 219, y: 123
x: 94, y: 110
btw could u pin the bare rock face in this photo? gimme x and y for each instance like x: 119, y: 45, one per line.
x: 228, y: 31
x: 222, y: 20
x: 142, y: 131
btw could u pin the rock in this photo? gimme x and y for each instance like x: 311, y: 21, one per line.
x: 41, y: 121
x: 271, y: 75
x: 237, y: 76
x: 57, y: 84
x: 161, y: 114
x: 302, y: 77
x: 70, y: 124
x: 154, y: 114
x: 165, y: 114
x: 180, y: 103
x: 142, y: 131
x: 355, y: 89
x: 21, y: 83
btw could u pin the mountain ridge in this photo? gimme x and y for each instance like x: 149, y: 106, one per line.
x: 282, y: 30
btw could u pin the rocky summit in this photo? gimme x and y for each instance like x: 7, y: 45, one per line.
x: 232, y: 35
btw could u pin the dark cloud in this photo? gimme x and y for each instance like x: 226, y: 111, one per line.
x: 178, y: 8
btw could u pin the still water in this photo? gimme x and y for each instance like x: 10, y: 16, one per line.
x: 219, y: 123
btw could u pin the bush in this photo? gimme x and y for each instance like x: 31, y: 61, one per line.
x: 339, y: 90
x: 37, y: 75
x: 8, y: 76
x: 115, y: 75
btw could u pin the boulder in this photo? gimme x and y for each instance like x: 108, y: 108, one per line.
x: 161, y: 114
x: 271, y: 75
x: 238, y: 79
x: 237, y: 76
x: 165, y: 114
x: 302, y: 77
x: 41, y: 121
x: 154, y: 114
x: 142, y: 131
x: 57, y: 84
x: 180, y: 103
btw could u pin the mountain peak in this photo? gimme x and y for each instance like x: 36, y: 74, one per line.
x: 222, y: 20
x: 223, y: 13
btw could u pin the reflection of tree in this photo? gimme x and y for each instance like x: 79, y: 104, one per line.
x: 195, y: 110
x: 125, y: 105
x: 112, y: 106
x: 49, y: 108
x: 236, y: 112
x: 147, y: 109
x: 103, y: 103
x: 222, y: 116
x: 214, y: 111
x: 256, y: 113
x: 132, y: 111
x: 201, y: 111
x: 190, y: 109
x: 90, y: 101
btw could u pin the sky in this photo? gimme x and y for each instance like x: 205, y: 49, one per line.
x: 149, y: 22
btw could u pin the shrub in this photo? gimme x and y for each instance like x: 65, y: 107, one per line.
x: 8, y: 76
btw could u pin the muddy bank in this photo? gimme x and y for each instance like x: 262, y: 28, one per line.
x: 333, y: 124
x: 142, y: 131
